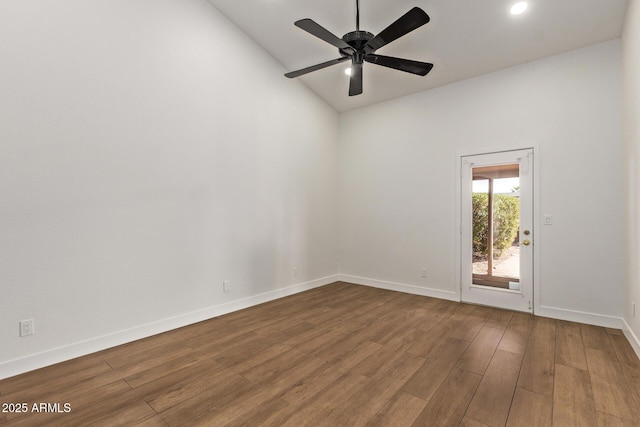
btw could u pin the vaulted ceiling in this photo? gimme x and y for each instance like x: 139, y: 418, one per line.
x: 465, y: 38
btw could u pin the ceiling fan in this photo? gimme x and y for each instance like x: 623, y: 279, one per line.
x: 359, y: 46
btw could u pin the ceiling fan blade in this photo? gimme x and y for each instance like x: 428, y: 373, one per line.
x: 355, y: 84
x: 316, y: 67
x: 406, y: 65
x: 408, y: 22
x: 315, y: 29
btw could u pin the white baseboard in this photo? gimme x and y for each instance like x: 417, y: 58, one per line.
x: 400, y: 287
x: 580, y: 317
x: 71, y: 351
x: 633, y: 339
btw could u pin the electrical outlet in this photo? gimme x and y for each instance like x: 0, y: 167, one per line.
x: 26, y: 328
x: 226, y: 286
x: 295, y: 271
x: 424, y: 272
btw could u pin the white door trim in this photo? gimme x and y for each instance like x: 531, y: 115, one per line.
x: 536, y: 212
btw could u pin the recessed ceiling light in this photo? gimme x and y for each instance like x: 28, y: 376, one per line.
x: 348, y: 71
x: 519, y: 8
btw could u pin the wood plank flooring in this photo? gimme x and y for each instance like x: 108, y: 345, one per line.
x: 347, y: 355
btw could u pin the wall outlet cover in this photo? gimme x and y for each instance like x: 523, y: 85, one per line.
x: 27, y: 327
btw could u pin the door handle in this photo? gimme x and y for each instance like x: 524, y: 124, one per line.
x: 526, y: 242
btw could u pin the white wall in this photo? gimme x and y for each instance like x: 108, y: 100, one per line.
x: 631, y: 132
x: 149, y: 150
x: 398, y: 182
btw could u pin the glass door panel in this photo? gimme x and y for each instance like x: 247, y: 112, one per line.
x: 495, y: 201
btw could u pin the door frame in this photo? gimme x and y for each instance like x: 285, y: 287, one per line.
x: 535, y: 147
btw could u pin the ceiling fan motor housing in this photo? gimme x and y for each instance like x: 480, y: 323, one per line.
x: 357, y: 40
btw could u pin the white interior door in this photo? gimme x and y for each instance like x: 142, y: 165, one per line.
x: 497, y: 229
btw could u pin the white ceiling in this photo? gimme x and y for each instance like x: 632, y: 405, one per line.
x: 465, y: 38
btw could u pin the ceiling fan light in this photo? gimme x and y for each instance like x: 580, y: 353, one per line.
x: 348, y: 71
x: 519, y: 8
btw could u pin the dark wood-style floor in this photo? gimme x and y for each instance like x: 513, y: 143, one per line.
x: 347, y: 355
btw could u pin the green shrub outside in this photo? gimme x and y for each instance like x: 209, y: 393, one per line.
x: 506, y: 222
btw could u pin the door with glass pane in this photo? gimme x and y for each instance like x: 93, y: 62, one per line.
x: 497, y: 229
